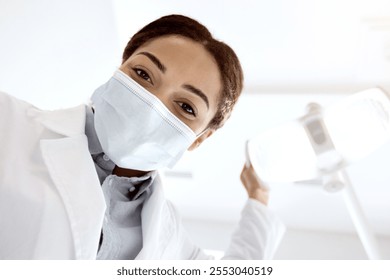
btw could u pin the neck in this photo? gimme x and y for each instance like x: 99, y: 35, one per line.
x: 123, y: 172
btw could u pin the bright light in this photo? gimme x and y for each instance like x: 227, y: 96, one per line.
x: 355, y: 127
x: 283, y: 154
x: 359, y: 124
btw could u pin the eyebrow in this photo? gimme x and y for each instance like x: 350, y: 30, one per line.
x: 155, y: 60
x: 198, y: 92
x: 163, y: 69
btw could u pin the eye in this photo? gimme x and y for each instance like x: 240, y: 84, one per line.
x: 141, y: 73
x: 187, y: 108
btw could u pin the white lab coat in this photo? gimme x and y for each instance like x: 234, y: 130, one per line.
x: 52, y: 205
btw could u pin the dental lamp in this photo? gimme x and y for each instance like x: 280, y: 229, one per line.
x: 321, y: 144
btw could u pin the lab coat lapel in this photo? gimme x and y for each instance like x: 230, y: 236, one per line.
x: 159, y: 225
x: 73, y: 173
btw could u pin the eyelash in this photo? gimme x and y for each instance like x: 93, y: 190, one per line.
x: 187, y: 108
x: 141, y: 73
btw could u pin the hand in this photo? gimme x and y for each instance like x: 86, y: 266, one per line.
x: 254, y: 186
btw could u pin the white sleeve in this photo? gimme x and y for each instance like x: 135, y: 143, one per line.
x: 257, y: 235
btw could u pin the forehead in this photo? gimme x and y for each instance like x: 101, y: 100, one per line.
x: 187, y: 62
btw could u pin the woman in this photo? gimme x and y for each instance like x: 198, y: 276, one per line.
x: 85, y: 178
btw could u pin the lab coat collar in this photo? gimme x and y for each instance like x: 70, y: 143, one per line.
x: 159, y: 226
x: 67, y: 122
x: 73, y: 172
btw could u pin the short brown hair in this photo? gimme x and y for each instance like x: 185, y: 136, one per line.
x: 227, y: 61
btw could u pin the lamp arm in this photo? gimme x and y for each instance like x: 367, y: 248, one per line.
x: 355, y: 210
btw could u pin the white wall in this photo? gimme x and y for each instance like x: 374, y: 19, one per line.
x: 297, y: 244
x: 301, y: 244
x: 55, y: 53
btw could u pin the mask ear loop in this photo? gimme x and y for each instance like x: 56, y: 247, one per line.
x: 202, y: 132
x: 200, y: 135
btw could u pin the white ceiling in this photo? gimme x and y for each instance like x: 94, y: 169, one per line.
x: 288, y: 45
x: 293, y: 52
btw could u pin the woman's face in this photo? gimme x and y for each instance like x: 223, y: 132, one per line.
x: 182, y: 74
